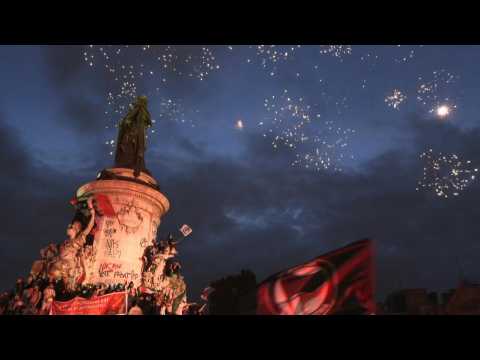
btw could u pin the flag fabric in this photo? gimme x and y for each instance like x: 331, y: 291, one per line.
x: 110, y: 304
x: 339, y: 282
x: 104, y: 205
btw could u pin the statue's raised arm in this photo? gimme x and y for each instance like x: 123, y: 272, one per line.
x: 130, y: 152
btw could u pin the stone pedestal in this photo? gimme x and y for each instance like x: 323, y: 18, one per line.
x: 120, y: 241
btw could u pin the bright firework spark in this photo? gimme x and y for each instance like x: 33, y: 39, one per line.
x: 271, y: 56
x: 406, y: 53
x: 136, y: 61
x: 395, y: 99
x: 370, y: 59
x: 435, y: 92
x: 132, y: 70
x: 338, y: 51
x: 443, y: 111
x: 446, y: 175
x: 239, y: 125
x: 172, y: 110
x: 132, y: 66
x: 286, y: 120
x: 328, y: 149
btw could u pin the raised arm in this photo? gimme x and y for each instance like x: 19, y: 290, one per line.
x: 92, y: 217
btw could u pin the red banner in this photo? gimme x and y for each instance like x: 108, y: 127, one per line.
x: 111, y: 304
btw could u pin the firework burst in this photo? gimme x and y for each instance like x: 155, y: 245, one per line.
x: 446, y: 175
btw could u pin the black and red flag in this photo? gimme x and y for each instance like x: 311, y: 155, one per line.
x: 339, y: 282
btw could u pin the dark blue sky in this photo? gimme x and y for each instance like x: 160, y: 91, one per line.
x: 248, y: 206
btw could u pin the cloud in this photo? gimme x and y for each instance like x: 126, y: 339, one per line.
x: 81, y: 92
x: 34, y: 209
x: 253, y: 211
x: 262, y: 214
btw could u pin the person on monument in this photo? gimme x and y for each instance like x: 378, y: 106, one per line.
x: 135, y: 309
x: 161, y: 306
x: 35, y: 295
x: 4, y: 300
x: 100, y: 289
x: 10, y: 300
x: 148, y: 305
x: 91, y: 290
x: 49, y: 252
x: 168, y: 248
x: 163, y: 299
x: 196, y: 309
x: 48, y: 298
x: 18, y: 304
x: 28, y: 288
x: 19, y: 287
x: 132, y: 294
x: 148, y: 255
x: 77, y: 290
x: 178, y: 287
x: 131, y: 289
x: 59, y: 287
x: 182, y: 306
x: 157, y: 269
x: 172, y: 245
x: 68, y: 262
x: 40, y: 267
x: 169, y: 242
x: 130, y: 151
x: 173, y: 268
x: 30, y: 282
x: 169, y: 298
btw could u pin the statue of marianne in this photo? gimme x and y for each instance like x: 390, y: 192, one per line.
x: 130, y: 151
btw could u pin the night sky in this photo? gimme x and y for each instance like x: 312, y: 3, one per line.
x: 273, y: 154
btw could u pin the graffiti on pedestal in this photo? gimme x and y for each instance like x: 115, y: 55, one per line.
x: 109, y: 232
x: 112, y: 248
x: 130, y: 218
x: 110, y: 270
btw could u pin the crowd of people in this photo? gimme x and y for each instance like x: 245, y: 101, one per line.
x: 35, y: 297
x: 60, y: 276
x: 36, y: 294
x: 233, y: 295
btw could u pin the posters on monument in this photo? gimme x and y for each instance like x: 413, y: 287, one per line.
x: 186, y: 230
x: 111, y: 304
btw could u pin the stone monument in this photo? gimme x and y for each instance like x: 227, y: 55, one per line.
x: 111, y: 261
x: 119, y: 242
